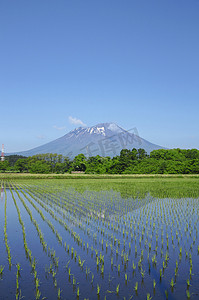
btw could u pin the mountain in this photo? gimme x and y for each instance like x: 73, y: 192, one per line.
x: 105, y: 139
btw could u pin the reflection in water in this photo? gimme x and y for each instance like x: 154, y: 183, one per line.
x: 127, y: 223
x: 2, y: 192
x: 130, y: 188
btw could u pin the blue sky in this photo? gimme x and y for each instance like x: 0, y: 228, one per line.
x: 132, y: 62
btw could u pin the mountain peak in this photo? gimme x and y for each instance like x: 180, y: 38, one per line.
x: 102, y: 129
x: 104, y: 139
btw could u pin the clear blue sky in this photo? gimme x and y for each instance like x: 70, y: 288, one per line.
x: 132, y: 62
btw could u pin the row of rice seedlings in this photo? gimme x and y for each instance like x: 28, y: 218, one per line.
x: 65, y: 203
x: 102, y: 265
x: 1, y: 271
x: 52, y: 252
x: 63, y: 215
x: 5, y: 232
x: 18, y: 291
x: 73, y: 218
x: 77, y: 238
x: 164, y: 265
x: 150, y: 247
x: 27, y: 250
x: 101, y: 231
x: 124, y: 256
x: 40, y: 234
x: 74, y: 282
x: 55, y: 207
x: 44, y: 219
x: 172, y: 283
x: 53, y: 272
x: 51, y: 212
x: 102, y: 239
x: 59, y: 237
x: 80, y: 263
x: 72, y: 251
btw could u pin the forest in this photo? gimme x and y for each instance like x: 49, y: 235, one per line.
x: 135, y: 161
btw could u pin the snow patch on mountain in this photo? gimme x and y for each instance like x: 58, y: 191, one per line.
x: 100, y: 130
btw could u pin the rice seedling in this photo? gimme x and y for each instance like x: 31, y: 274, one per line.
x: 37, y: 283
x: 38, y: 294
x: 188, y: 294
x: 5, y: 232
x: 92, y: 278
x: 136, y: 287
x: 17, y: 282
x: 118, y: 268
x: 102, y: 269
x: 142, y: 273
x: 148, y: 296
x: 161, y: 274
x: 1, y: 269
x: 188, y: 283
x: 117, y: 289
x: 98, y: 289
x: 154, y: 283
x: 59, y: 294
x: 172, y: 284
x: 78, y: 292
x: 55, y: 282
x: 18, y: 295
x: 67, y: 264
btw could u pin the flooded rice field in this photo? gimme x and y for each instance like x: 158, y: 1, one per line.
x: 87, y: 241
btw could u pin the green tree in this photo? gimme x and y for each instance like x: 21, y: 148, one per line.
x: 4, y: 166
x: 158, y: 154
x: 21, y: 165
x: 192, y: 154
x: 97, y: 164
x: 40, y: 167
x: 79, y: 163
x: 13, y: 158
x: 142, y: 153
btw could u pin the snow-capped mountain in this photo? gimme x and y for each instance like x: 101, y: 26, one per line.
x: 105, y: 139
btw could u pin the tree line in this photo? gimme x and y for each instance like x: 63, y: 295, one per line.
x: 135, y: 161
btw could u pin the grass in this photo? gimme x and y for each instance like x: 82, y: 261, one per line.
x: 91, y: 176
x: 175, y: 186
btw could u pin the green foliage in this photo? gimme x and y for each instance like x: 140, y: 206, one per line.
x: 13, y: 158
x: 135, y: 161
x: 40, y: 167
x: 4, y: 165
x: 79, y: 163
x: 21, y: 165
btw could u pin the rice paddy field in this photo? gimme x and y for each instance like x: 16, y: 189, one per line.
x: 106, y: 238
